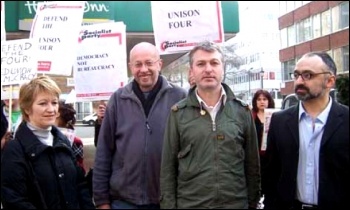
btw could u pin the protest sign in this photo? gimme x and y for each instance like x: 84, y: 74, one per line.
x: 56, y: 27
x: 179, y: 25
x: 267, y: 119
x: 10, y: 92
x: 18, y: 61
x: 101, y: 64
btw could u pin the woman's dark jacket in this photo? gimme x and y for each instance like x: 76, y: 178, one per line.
x: 61, y: 183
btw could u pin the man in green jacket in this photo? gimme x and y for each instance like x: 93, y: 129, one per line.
x: 210, y: 152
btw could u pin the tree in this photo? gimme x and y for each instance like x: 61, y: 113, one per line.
x: 342, y: 86
x: 232, y: 61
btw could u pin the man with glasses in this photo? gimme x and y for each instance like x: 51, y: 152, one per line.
x: 308, y: 144
x: 128, y: 155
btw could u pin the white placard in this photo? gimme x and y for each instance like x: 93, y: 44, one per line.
x: 101, y: 62
x: 18, y: 61
x: 267, y: 119
x: 179, y: 25
x: 56, y: 27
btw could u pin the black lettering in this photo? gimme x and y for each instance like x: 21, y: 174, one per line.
x: 45, y: 47
x: 47, y: 26
x: 183, y: 14
x: 15, y: 59
x: 55, y: 18
x: 82, y: 63
x: 49, y: 40
x: 180, y: 24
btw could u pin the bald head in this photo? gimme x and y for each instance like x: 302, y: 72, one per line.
x: 144, y: 47
x: 145, y: 65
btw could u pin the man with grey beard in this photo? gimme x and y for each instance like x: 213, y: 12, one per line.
x: 308, y: 144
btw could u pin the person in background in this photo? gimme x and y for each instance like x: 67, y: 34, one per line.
x: 16, y: 116
x: 308, y: 164
x: 262, y: 99
x: 210, y: 151
x: 65, y: 122
x: 40, y: 171
x: 101, y: 109
x: 191, y: 80
x: 4, y: 126
x: 128, y: 154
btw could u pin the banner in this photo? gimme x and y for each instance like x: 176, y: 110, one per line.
x: 94, y: 12
x: 267, y: 119
x: 18, y: 61
x: 179, y: 25
x: 3, y: 30
x: 56, y: 27
x: 101, y: 62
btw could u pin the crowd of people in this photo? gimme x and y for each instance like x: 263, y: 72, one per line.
x: 160, y: 146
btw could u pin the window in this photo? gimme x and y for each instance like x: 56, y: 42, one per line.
x: 298, y: 4
x: 335, y: 18
x: 326, y: 22
x: 283, y: 7
x: 287, y: 68
x: 316, y: 23
x: 341, y: 59
x: 291, y: 35
x: 83, y: 109
x: 290, y: 6
x: 307, y: 29
x: 338, y: 60
x: 303, y: 30
x: 284, y: 38
x: 345, y: 55
x: 344, y: 15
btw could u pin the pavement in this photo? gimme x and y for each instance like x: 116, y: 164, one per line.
x: 88, y: 141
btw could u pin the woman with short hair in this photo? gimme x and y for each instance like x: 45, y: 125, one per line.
x: 38, y: 168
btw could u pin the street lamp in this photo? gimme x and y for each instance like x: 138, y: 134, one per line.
x: 262, y: 78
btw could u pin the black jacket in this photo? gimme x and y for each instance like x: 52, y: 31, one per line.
x: 4, y: 123
x: 280, y: 176
x: 61, y: 182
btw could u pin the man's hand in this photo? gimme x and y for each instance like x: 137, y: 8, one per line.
x: 7, y: 137
x: 104, y: 206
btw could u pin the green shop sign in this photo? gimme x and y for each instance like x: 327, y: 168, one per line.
x: 94, y: 11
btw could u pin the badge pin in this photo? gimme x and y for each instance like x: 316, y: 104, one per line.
x: 202, y: 112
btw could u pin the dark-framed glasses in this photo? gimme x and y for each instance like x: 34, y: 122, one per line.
x: 306, y: 75
x: 146, y: 63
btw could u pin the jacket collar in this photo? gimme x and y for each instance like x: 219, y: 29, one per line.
x: 127, y: 91
x: 334, y: 121
x: 32, y: 145
x: 193, y: 101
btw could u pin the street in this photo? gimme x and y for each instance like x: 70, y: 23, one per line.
x: 86, y: 133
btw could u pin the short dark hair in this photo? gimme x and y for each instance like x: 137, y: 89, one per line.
x: 67, y: 114
x: 208, y: 47
x: 326, y: 58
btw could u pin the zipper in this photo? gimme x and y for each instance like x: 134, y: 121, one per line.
x: 148, y: 128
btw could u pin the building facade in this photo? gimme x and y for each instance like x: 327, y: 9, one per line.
x: 307, y: 26
x: 257, y: 46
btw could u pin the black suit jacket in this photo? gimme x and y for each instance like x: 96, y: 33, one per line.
x: 282, y: 153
